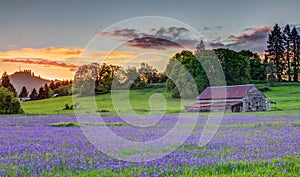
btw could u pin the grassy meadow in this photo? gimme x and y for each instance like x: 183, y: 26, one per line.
x: 286, y: 95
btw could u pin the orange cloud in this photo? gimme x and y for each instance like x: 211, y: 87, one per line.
x: 262, y: 29
x: 66, y: 57
x: 48, y: 52
x: 114, y: 57
x: 40, y: 61
x: 255, y: 32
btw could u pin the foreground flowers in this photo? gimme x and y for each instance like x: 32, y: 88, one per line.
x: 253, y: 145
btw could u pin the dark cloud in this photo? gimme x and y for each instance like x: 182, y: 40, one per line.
x: 128, y: 33
x: 39, y: 61
x: 152, y: 43
x: 258, y: 35
x: 173, y: 37
x: 162, y: 38
x: 255, y: 41
x: 217, y: 39
x: 171, y: 32
x: 209, y: 28
x: 217, y: 45
x: 248, y: 29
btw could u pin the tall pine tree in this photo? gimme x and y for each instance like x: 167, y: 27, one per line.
x: 275, y: 50
x: 41, y: 94
x: 295, y: 42
x: 200, y: 47
x: 287, y: 37
x: 46, y: 91
x: 23, y: 93
x: 33, y: 95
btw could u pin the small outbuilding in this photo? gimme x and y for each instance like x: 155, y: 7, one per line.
x: 237, y: 98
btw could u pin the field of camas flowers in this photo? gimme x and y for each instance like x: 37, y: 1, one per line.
x: 245, y: 145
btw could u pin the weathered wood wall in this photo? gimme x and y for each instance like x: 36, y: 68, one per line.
x: 254, y: 100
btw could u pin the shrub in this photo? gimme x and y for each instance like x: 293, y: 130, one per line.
x: 71, y: 107
x: 9, y: 104
x: 264, y: 88
x: 102, y: 110
x: 138, y: 85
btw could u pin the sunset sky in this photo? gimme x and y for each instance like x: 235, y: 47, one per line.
x: 49, y: 37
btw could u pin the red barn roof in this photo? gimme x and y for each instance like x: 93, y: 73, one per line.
x: 225, y: 92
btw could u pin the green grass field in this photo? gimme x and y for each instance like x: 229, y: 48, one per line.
x: 286, y: 95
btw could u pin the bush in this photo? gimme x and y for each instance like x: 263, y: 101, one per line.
x: 138, y: 85
x: 264, y: 88
x: 67, y: 107
x: 102, y: 110
x: 71, y: 107
x: 65, y: 124
x: 9, y: 104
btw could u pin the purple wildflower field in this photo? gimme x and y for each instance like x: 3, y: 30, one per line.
x: 30, y: 147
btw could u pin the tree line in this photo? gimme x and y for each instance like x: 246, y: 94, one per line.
x: 61, y: 88
x: 283, y: 53
x: 94, y: 78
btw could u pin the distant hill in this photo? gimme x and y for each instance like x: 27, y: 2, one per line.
x: 27, y: 79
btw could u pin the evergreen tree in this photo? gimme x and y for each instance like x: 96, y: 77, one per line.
x: 6, y: 83
x: 57, y: 84
x: 200, y: 47
x: 33, y: 95
x: 295, y: 42
x: 287, y: 37
x: 41, y: 94
x: 266, y: 65
x: 46, y: 91
x: 275, y: 50
x: 23, y: 93
x: 52, y: 85
x: 271, y: 71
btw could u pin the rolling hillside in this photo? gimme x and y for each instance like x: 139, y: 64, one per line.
x: 27, y: 79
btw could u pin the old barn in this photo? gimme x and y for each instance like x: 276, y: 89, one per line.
x: 237, y: 98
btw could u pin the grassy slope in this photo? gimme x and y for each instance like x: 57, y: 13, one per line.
x: 287, y: 96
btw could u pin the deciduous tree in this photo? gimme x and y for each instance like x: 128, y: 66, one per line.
x: 9, y: 104
x: 7, y: 84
